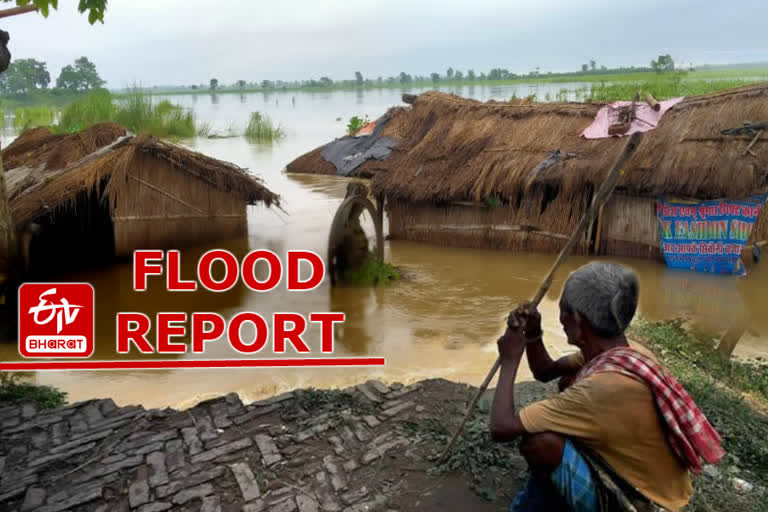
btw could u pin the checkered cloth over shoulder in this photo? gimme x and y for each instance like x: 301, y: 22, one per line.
x: 689, y: 433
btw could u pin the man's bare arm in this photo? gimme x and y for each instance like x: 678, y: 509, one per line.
x: 505, y: 422
x: 543, y: 367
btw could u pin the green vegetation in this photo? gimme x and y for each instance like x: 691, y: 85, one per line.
x: 13, y: 391
x: 697, y: 352
x: 27, y: 78
x: 356, y: 123
x: 92, y: 108
x: 95, y: 8
x: 140, y: 114
x: 136, y: 111
x: 31, y: 117
x: 261, y: 128
x: 371, y: 273
x: 734, y: 396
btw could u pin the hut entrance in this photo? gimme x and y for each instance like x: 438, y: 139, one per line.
x: 78, y: 235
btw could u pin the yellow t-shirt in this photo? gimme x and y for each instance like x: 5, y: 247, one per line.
x: 615, y: 415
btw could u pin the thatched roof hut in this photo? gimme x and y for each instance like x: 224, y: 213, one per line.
x: 519, y: 175
x: 105, y: 187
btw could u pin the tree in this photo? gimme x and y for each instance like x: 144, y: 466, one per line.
x: 663, y: 64
x: 214, y: 83
x: 82, y: 76
x: 267, y: 84
x: 95, y: 8
x: 584, y: 68
x: 241, y: 84
x: 358, y: 78
x: 405, y: 78
x: 449, y: 73
x: 458, y: 75
x: 471, y: 74
x: 593, y: 64
x: 23, y: 76
x: 435, y: 77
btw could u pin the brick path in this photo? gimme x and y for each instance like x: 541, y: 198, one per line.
x: 221, y: 455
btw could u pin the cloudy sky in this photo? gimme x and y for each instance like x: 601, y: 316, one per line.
x: 189, y: 41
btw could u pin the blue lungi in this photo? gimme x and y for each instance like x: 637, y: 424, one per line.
x: 570, y: 485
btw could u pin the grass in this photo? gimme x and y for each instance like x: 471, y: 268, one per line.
x: 95, y: 107
x: 661, y: 87
x: 13, y: 391
x: 371, y: 273
x: 356, y: 123
x: 136, y: 111
x: 261, y: 128
x: 733, y: 396
x: 31, y: 117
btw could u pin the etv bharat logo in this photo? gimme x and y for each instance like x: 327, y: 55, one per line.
x: 56, y: 320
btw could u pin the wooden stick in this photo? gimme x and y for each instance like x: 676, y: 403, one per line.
x: 754, y: 140
x: 655, y: 105
x: 599, y: 229
x: 605, y: 191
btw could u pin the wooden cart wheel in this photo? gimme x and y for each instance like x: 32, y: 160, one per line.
x: 337, y: 231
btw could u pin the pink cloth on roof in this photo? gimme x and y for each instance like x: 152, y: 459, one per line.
x: 646, y: 118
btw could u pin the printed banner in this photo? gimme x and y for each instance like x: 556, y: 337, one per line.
x: 707, y: 236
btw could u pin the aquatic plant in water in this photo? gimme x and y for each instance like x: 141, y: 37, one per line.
x: 136, y: 111
x: 30, y: 117
x: 261, y: 128
x: 371, y: 273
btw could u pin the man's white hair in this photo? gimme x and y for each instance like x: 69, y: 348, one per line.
x: 605, y: 294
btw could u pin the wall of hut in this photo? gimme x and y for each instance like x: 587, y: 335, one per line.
x: 162, y: 207
x: 628, y: 226
x: 542, y: 222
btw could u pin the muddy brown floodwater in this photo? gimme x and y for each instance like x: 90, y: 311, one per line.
x: 440, y: 320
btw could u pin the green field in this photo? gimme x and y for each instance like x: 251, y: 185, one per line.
x: 587, y: 87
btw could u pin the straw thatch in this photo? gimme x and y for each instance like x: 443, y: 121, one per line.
x: 45, y: 171
x: 518, y: 175
x: 459, y: 149
x: 452, y: 148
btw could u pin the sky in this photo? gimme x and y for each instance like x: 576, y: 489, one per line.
x: 183, y: 42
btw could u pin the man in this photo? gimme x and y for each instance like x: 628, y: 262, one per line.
x: 601, y: 443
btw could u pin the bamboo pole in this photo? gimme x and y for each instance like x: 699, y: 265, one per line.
x: 605, y: 191
x: 599, y: 233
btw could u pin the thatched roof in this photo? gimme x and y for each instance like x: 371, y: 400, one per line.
x: 46, y: 171
x: 451, y: 148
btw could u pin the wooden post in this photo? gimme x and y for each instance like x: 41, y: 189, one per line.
x: 599, y: 229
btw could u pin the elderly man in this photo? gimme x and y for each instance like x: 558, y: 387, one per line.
x: 623, y: 434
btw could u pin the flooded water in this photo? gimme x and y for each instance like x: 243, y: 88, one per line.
x: 440, y: 320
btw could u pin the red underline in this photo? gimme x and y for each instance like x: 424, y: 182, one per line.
x: 192, y: 363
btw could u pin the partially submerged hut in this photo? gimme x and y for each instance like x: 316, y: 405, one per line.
x: 103, y: 193
x: 518, y: 175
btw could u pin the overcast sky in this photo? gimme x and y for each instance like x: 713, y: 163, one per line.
x: 190, y: 41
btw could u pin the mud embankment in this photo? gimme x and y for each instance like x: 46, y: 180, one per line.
x: 361, y: 449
